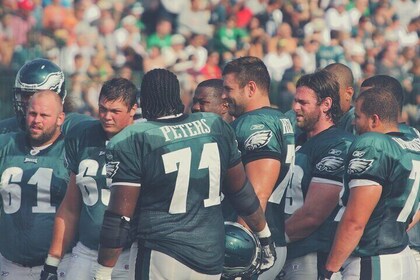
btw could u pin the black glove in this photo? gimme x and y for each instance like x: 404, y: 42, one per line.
x: 49, y: 272
x: 269, y: 254
x: 324, y: 274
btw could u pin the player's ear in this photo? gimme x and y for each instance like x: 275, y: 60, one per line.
x: 133, y: 110
x: 60, y: 119
x: 252, y: 86
x: 327, y: 104
x: 375, y: 120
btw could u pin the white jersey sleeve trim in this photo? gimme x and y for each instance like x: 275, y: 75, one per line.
x: 125, y: 184
x: 362, y: 182
x: 326, y: 181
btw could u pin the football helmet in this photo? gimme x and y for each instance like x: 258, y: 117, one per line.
x: 243, y: 253
x: 38, y: 74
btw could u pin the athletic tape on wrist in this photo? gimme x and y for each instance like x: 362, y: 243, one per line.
x: 265, y: 233
x: 52, y: 261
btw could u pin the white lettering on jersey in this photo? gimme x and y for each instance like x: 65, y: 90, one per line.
x: 257, y: 140
x: 287, y: 126
x: 359, y: 165
x: 172, y: 132
x: 413, y: 145
x: 330, y: 164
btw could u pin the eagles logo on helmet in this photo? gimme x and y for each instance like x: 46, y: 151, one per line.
x: 36, y: 75
x: 243, y: 253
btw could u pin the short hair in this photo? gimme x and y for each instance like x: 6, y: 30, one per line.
x: 343, y: 74
x: 119, y: 88
x: 249, y: 68
x: 387, y: 83
x: 324, y: 84
x: 381, y: 102
x: 160, y: 94
x: 215, y: 84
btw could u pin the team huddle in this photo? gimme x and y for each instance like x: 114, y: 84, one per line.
x: 234, y: 190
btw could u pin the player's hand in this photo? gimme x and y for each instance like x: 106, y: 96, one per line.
x: 49, y: 272
x: 269, y: 255
x: 324, y: 274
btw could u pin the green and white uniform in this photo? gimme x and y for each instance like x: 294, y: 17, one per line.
x: 393, y: 161
x: 319, y: 159
x: 267, y: 133
x: 85, y: 155
x: 33, y: 184
x: 180, y: 164
x: 346, y: 121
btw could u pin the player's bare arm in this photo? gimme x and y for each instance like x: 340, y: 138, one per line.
x: 362, y: 201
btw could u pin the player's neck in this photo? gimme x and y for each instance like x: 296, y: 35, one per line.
x: 319, y: 127
x: 257, y: 103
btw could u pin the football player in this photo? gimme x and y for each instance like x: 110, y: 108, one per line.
x: 266, y: 141
x: 345, y: 79
x: 381, y: 195
x: 208, y: 98
x: 312, y: 199
x: 33, y: 183
x: 167, y: 175
x: 87, y: 195
x: 38, y: 74
x: 394, y: 86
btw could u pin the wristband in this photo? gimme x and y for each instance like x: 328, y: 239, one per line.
x: 52, y: 261
x: 264, y: 233
x: 103, y: 272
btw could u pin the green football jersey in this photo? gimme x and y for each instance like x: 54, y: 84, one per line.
x: 414, y: 233
x: 393, y: 161
x: 71, y: 120
x: 180, y: 164
x: 291, y: 115
x: 319, y: 159
x: 346, y: 121
x: 33, y: 184
x: 268, y: 133
x: 85, y: 155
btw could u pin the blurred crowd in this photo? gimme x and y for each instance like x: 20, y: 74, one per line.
x: 95, y: 40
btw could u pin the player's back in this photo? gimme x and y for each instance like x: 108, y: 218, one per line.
x: 393, y: 160
x: 180, y: 163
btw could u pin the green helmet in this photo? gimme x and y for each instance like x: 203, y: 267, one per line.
x: 36, y: 75
x: 243, y: 253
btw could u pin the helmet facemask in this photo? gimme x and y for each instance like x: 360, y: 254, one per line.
x: 20, y: 105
